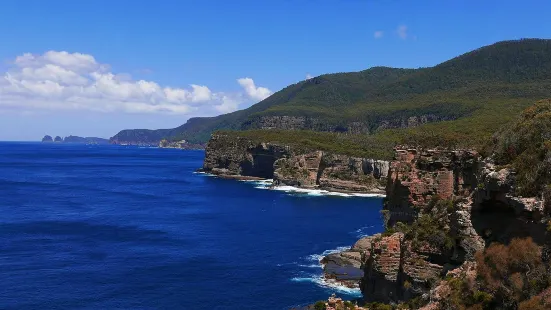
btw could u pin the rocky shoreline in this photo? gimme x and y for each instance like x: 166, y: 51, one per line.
x: 392, y: 267
x: 442, y: 207
x: 241, y: 158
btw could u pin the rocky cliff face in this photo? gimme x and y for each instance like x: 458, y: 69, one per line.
x: 287, y: 122
x: 143, y: 137
x: 182, y: 144
x: 426, y: 239
x: 228, y: 156
x: 331, y: 172
x: 235, y: 157
x: 416, y: 176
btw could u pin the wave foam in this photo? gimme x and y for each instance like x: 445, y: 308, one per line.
x: 317, y: 257
x: 261, y: 184
x: 268, y: 184
x: 311, y: 266
x: 321, y: 192
x: 362, y: 232
x: 330, y: 284
x: 204, y: 173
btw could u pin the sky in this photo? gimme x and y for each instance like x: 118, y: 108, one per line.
x: 93, y: 68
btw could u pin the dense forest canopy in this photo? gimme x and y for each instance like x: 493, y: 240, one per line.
x: 465, y: 100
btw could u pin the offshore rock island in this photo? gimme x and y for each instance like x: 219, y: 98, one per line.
x: 75, y: 139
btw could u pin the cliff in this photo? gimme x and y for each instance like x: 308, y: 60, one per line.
x: 441, y: 209
x: 143, y: 137
x: 234, y: 156
x: 85, y: 140
x: 182, y: 144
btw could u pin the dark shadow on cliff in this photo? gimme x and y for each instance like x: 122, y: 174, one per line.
x: 496, y: 221
x: 262, y: 164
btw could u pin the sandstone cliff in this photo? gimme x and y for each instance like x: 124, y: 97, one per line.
x: 441, y: 207
x: 288, y: 122
x: 241, y: 157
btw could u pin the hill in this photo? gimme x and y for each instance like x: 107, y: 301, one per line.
x: 467, y: 96
x: 87, y: 140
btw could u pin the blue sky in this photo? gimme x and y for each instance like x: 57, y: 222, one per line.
x: 95, y: 67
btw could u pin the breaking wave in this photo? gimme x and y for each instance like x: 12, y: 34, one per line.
x: 329, y: 284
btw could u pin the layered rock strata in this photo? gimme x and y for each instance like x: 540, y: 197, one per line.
x: 242, y: 158
x: 397, y: 268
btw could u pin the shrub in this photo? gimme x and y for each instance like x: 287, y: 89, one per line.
x: 320, y: 305
x: 526, y: 144
x: 513, y: 273
x: 378, y: 306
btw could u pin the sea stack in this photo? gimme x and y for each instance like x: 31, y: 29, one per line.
x: 47, y: 139
x: 58, y: 139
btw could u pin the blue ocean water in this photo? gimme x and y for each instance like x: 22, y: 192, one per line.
x: 103, y: 227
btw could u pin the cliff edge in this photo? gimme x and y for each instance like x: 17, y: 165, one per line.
x: 239, y: 157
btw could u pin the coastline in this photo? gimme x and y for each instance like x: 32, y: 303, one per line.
x: 312, y: 191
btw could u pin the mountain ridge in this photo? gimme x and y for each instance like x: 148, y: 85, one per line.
x: 380, y: 98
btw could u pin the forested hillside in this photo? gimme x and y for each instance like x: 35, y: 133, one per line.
x: 467, y: 97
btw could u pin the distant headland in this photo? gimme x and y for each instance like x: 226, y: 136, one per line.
x: 75, y: 139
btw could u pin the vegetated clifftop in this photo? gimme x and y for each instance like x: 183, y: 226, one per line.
x: 474, y: 93
x: 140, y: 137
x: 458, y: 234
x: 182, y: 144
x: 86, y: 140
x: 240, y: 157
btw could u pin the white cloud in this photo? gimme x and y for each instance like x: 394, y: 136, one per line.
x: 402, y: 31
x: 200, y: 93
x: 378, y: 34
x: 74, y: 81
x: 256, y: 93
x: 309, y: 76
x: 228, y: 105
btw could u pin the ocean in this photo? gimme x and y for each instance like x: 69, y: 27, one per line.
x: 124, y: 227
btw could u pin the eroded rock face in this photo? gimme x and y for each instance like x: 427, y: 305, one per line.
x: 439, y: 295
x: 499, y: 216
x: 412, y: 121
x: 346, y: 267
x: 332, y: 172
x: 242, y: 157
x: 394, y: 271
x: 230, y: 156
x: 287, y: 122
x: 485, y: 210
x: 416, y: 176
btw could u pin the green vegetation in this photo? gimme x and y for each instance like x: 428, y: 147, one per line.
x: 431, y: 227
x: 526, y: 145
x: 379, y: 306
x: 510, y: 276
x: 465, y: 99
x: 320, y: 305
x: 304, y: 141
